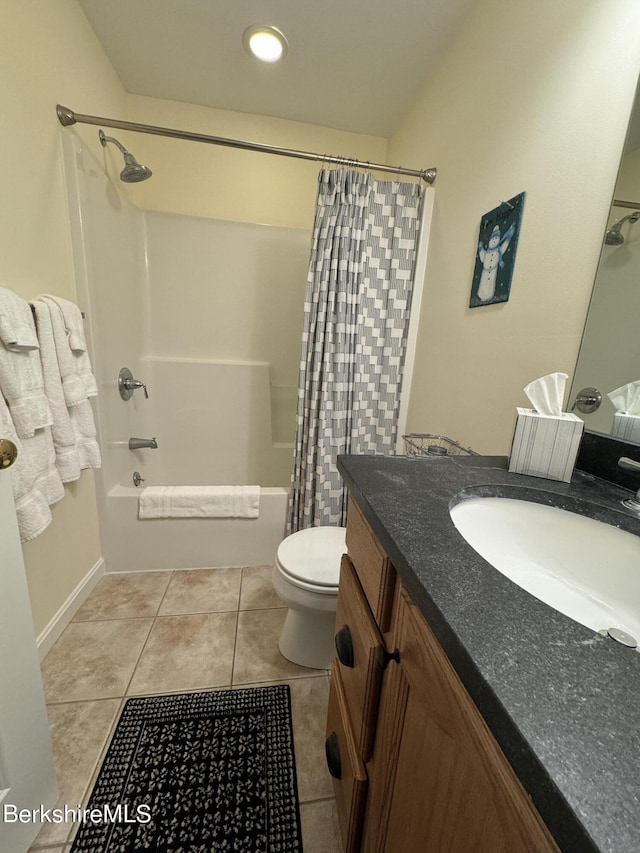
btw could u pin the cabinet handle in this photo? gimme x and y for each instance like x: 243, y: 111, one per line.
x: 332, y: 751
x: 344, y: 646
x: 383, y: 656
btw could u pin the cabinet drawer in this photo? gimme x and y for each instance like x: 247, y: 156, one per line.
x: 374, y: 569
x: 349, y: 775
x: 357, y: 639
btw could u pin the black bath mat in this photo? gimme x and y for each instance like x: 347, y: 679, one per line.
x: 206, y: 772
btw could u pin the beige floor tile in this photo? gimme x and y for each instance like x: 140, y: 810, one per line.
x: 79, y: 732
x: 257, y: 591
x: 94, y: 660
x: 64, y: 849
x: 125, y: 596
x: 202, y: 591
x: 320, y: 828
x: 309, y: 702
x: 185, y: 653
x: 257, y: 655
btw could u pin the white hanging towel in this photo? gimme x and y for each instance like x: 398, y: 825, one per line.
x: 32, y: 508
x: 21, y: 380
x: 73, y: 429
x: 78, y: 381
x: 200, y: 502
x: 72, y: 318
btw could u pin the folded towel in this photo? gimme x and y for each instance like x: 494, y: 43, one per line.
x: 16, y: 324
x: 78, y: 382
x: 21, y: 380
x: 73, y: 430
x: 32, y: 508
x: 200, y: 502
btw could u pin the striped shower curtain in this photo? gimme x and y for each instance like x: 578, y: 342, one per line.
x: 356, y: 317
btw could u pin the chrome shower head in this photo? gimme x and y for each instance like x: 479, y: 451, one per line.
x: 133, y: 171
x: 614, y: 236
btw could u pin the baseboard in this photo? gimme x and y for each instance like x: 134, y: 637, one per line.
x: 56, y: 625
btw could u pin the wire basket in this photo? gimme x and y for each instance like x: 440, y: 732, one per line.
x: 427, y: 444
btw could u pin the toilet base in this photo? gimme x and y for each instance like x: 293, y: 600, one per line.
x: 307, y: 638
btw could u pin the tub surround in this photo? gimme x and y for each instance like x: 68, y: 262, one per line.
x: 560, y: 700
x: 151, y: 544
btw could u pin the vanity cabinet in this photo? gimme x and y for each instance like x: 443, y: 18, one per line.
x: 415, y: 767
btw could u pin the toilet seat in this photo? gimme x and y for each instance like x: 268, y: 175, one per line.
x: 310, y: 559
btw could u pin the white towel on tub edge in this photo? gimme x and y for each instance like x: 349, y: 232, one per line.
x: 199, y: 502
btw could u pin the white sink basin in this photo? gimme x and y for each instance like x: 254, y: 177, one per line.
x: 586, y: 569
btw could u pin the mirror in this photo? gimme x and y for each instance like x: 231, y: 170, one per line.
x: 609, y: 354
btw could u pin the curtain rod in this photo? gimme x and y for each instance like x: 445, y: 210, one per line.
x: 68, y: 117
x: 619, y: 203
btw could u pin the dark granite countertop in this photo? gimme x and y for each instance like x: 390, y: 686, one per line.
x: 562, y: 701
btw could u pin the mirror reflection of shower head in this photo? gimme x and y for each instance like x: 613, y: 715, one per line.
x: 133, y: 171
x: 614, y: 236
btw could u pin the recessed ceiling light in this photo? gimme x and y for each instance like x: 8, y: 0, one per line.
x: 265, y: 43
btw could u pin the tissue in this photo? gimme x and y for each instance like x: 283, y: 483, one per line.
x: 547, y: 393
x: 546, y: 439
x: 626, y: 398
x: 626, y: 420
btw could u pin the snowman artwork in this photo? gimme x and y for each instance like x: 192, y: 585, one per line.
x: 491, y: 259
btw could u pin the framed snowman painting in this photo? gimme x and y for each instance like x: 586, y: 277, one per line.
x: 496, y: 253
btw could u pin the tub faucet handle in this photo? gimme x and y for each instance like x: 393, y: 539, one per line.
x: 127, y: 384
x: 135, y: 383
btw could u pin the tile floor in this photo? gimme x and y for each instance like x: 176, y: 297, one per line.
x: 161, y: 632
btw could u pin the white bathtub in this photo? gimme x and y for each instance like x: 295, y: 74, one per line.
x: 188, y: 543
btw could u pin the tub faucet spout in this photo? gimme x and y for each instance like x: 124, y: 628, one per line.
x: 139, y: 443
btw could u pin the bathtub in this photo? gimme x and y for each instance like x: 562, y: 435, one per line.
x: 132, y: 544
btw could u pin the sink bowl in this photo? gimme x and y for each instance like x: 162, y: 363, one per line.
x: 584, y: 568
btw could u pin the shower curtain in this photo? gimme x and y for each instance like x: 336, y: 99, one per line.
x: 356, y: 317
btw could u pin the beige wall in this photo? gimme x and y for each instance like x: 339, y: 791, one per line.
x: 48, y: 54
x: 535, y: 97
x: 522, y: 101
x: 225, y: 183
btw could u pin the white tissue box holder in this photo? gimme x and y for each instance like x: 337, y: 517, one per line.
x: 545, y: 445
x: 626, y: 427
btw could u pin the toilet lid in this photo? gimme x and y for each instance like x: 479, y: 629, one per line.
x: 313, y: 555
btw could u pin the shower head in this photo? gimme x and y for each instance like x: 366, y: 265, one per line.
x: 614, y: 237
x: 133, y: 171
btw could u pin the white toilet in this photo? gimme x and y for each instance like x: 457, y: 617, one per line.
x: 306, y: 576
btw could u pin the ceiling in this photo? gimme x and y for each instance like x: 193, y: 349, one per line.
x: 356, y: 65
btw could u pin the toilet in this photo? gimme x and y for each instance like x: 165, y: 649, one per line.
x: 305, y: 577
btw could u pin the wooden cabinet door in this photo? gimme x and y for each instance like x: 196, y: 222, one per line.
x: 438, y: 782
x: 357, y: 641
x: 345, y: 766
